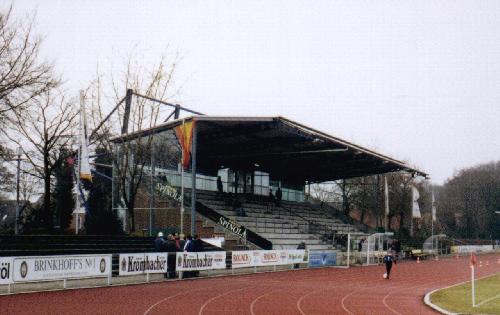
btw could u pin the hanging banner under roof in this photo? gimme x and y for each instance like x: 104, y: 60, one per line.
x: 184, y: 133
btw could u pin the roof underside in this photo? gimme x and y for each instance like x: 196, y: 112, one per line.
x: 285, y: 149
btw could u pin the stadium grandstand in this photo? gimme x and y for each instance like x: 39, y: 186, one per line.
x: 253, y: 158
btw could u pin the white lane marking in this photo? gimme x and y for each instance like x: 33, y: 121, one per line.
x: 343, y: 300
x: 161, y: 301
x: 218, y: 296
x: 258, y: 298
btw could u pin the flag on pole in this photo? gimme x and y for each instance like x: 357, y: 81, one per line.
x: 386, y: 196
x: 433, y: 207
x: 84, y: 145
x: 184, y: 133
x: 415, y: 209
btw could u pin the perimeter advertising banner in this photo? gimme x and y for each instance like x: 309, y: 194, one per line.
x: 200, y: 261
x: 270, y: 257
x: 61, y: 267
x: 134, y: 264
x: 471, y: 249
x: 252, y: 258
x: 6, y: 269
x: 242, y: 259
x: 322, y: 259
x: 298, y: 256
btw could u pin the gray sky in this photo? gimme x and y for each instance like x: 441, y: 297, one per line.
x: 417, y: 80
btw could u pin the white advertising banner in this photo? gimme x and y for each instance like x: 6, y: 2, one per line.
x: 131, y: 264
x: 472, y: 248
x: 6, y: 269
x: 297, y: 256
x: 61, y: 267
x: 134, y: 264
x: 242, y: 259
x: 156, y: 262
x: 270, y: 257
x: 200, y: 261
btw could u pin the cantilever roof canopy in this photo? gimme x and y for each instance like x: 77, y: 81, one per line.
x: 286, y: 149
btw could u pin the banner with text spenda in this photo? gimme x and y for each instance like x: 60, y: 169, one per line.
x: 61, y: 267
x: 200, y: 261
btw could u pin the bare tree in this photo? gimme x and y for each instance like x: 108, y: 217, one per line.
x: 43, y: 132
x: 23, y: 76
x: 132, y: 156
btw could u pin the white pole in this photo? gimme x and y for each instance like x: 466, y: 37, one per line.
x: 182, y: 197
x: 473, y: 288
x: 348, y: 248
x: 368, y: 250
x: 77, y: 203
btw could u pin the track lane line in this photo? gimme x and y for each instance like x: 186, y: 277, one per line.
x: 218, y: 296
x: 258, y: 298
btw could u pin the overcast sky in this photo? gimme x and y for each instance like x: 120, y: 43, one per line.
x: 417, y: 80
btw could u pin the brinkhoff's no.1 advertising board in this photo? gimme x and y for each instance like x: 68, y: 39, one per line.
x: 201, y: 261
x: 133, y: 264
x: 61, y: 267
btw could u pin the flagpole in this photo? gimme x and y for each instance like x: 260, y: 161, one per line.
x: 77, y: 203
x: 182, y: 188
x: 79, y: 157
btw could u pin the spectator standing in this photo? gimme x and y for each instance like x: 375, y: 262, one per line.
x: 360, y: 244
x: 177, y: 241
x: 272, y: 201
x: 182, y: 241
x: 159, y: 243
x: 171, y: 252
x: 188, y: 247
x: 388, y: 263
x: 279, y: 195
x: 220, y: 188
x: 197, y: 244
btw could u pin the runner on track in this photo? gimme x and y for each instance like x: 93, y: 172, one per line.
x: 388, y: 259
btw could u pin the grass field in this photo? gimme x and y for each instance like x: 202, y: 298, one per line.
x: 458, y: 299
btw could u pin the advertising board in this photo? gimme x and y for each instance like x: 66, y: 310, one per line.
x: 6, y: 269
x: 322, y: 259
x: 133, y: 264
x: 200, y: 261
x: 61, y: 267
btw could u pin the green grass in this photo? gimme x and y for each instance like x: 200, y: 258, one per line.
x: 458, y: 299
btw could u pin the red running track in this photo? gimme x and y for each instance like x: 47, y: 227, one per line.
x: 359, y: 290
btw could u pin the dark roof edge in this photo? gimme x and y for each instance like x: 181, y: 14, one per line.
x: 352, y: 145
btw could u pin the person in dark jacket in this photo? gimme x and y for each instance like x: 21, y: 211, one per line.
x: 279, y: 195
x: 388, y: 259
x: 220, y: 187
x: 171, y: 250
x: 197, y: 244
x: 159, y: 243
x: 189, y: 246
